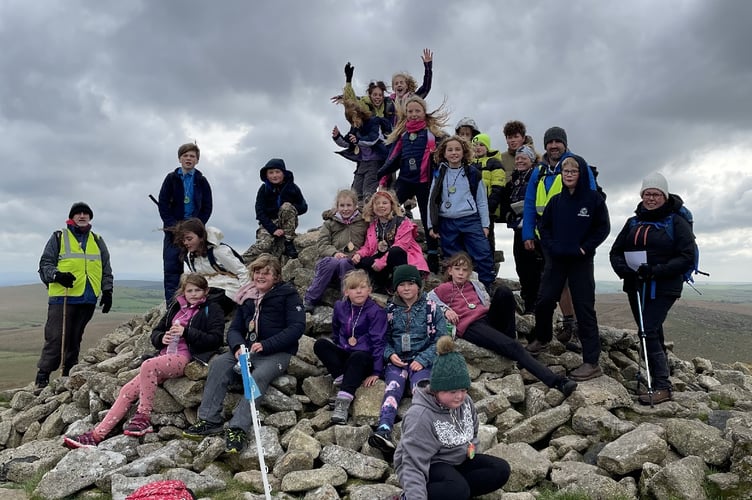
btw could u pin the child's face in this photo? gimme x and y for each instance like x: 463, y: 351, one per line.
x: 454, y: 153
x: 522, y: 162
x: 408, y: 291
x: 346, y: 206
x: 188, y: 160
x: 415, y: 111
x: 193, y: 293
x: 264, y: 279
x: 570, y: 175
x: 399, y: 84
x: 359, y: 294
x: 191, y: 241
x: 377, y: 96
x: 515, y: 141
x: 382, y: 207
x: 459, y: 273
x: 275, y: 175
x: 466, y: 133
x: 451, y: 399
x: 480, y: 150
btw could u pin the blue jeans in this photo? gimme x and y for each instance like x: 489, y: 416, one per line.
x: 466, y: 234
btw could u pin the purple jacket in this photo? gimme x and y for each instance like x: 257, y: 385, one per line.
x: 366, y: 323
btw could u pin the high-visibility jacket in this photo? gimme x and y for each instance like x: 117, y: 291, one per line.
x: 85, y: 265
x: 543, y: 195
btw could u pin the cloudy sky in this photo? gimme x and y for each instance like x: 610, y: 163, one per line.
x: 96, y: 97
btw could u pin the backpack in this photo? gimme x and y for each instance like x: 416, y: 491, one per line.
x: 667, y: 225
x: 171, y: 489
x: 216, y: 265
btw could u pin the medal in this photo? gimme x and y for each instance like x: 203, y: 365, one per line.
x: 186, y: 200
x: 383, y: 246
x: 413, y: 164
x: 470, y: 451
x: 471, y: 306
x: 352, y: 341
x: 251, y: 326
x: 452, y: 189
x: 448, y: 204
x: 252, y: 337
x: 412, y: 136
x: 350, y: 247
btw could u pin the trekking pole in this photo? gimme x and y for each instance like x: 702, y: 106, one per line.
x: 643, y: 342
x: 62, y: 344
x: 251, y: 392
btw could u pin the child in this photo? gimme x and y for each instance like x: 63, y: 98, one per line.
x: 459, y: 209
x: 199, y: 329
x: 488, y: 324
x: 574, y: 223
x: 279, y: 202
x: 488, y: 161
x: 390, y: 240
x: 355, y: 354
x: 415, y: 138
x: 466, y: 129
x: 205, y: 254
x: 185, y: 193
x: 339, y: 237
x: 414, y: 324
x: 376, y: 101
x: 405, y: 86
x: 436, y: 457
x: 365, y: 146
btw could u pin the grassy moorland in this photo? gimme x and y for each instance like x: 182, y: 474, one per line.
x: 714, y: 325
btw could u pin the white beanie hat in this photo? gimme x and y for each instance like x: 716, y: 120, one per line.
x: 655, y: 181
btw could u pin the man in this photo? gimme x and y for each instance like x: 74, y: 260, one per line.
x: 75, y: 266
x: 185, y: 193
x: 546, y: 182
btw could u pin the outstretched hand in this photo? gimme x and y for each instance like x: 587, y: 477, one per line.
x: 427, y: 55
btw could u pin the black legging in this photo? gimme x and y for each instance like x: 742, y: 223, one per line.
x: 483, y: 474
x: 653, y: 315
x: 396, y: 256
x: 354, y: 366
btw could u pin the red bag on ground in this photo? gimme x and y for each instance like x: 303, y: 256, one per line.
x: 169, y: 489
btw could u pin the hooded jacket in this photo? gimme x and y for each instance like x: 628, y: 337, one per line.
x: 404, y: 238
x: 336, y: 235
x: 414, y: 321
x: 237, y: 274
x: 204, y: 333
x: 370, y: 145
x: 270, y: 197
x: 367, y: 323
x: 432, y: 433
x: 669, y: 257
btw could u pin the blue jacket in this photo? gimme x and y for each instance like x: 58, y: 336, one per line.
x: 370, y: 142
x: 369, y: 321
x: 415, y: 322
x: 270, y: 197
x: 172, y: 196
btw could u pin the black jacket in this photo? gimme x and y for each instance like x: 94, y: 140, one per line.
x: 204, y: 333
x: 172, y: 198
x: 280, y: 323
x: 669, y: 257
x: 269, y: 197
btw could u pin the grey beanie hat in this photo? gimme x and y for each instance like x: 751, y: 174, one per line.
x: 656, y: 180
x: 555, y: 134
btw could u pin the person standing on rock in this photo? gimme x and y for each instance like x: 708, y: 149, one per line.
x: 191, y: 328
x: 665, y: 236
x: 437, y: 457
x: 75, y: 267
x: 269, y: 322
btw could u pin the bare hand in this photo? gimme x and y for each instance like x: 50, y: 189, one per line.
x: 434, y: 234
x: 369, y: 381
x: 427, y: 56
x: 452, y: 316
x: 377, y: 266
x: 167, y: 338
x: 396, y: 361
x: 355, y: 259
x: 415, y: 366
x: 340, y: 255
x: 529, y: 245
x: 335, y: 132
x: 352, y: 138
x: 278, y: 233
x: 485, y: 231
x: 256, y: 347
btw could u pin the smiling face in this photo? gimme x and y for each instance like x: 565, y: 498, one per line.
x: 451, y: 399
x: 454, y: 153
x: 188, y: 160
x: 652, y: 199
x: 415, y: 111
x: 522, y: 162
x: 408, y: 291
x: 346, y: 206
x: 382, y: 207
x: 555, y: 149
x: 275, y: 175
x: 193, y: 294
x: 570, y: 173
x: 514, y: 141
x: 399, y: 84
x: 358, y: 294
x: 377, y: 96
x: 264, y: 279
x: 480, y: 149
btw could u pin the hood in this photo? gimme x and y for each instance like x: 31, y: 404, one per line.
x: 423, y: 397
x: 214, y: 235
x: 277, y: 163
x: 467, y: 122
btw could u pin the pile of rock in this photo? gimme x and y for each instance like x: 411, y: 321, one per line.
x: 598, y: 442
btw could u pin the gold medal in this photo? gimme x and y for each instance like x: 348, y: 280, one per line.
x: 452, y: 189
x: 352, y: 341
x: 251, y: 326
x: 350, y: 246
x: 383, y: 246
x: 412, y: 136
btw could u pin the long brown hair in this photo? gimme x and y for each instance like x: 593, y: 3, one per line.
x: 192, y: 225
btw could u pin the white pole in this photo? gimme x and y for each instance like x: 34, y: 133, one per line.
x: 252, y: 392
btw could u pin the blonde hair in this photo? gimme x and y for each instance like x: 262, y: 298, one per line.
x: 467, y: 155
x: 435, y: 120
x: 355, y: 278
x: 412, y: 83
x: 266, y: 260
x: 368, y: 214
x: 345, y: 193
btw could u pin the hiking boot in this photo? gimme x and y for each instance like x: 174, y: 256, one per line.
x: 567, y: 330
x: 381, y: 439
x: 341, y: 409
x: 566, y: 386
x: 586, y: 371
x: 201, y: 429
x: 659, y: 396
x: 85, y: 440
x: 290, y: 249
x: 42, y: 381
x: 309, y: 308
x: 235, y: 440
x: 536, y: 347
x: 138, y: 426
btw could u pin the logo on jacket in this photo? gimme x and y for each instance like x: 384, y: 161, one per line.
x: 583, y: 212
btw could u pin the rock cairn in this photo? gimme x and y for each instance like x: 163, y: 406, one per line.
x: 598, y: 443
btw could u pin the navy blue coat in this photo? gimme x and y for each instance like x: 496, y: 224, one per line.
x: 270, y: 197
x: 172, y: 196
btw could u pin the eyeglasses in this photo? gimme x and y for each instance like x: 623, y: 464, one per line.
x: 647, y: 194
x: 570, y: 172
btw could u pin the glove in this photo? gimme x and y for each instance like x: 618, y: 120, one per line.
x: 349, y: 70
x: 645, y: 271
x: 65, y: 279
x: 106, y: 301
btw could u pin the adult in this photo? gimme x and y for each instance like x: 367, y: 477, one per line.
x: 185, y: 193
x: 269, y: 323
x: 75, y: 267
x: 666, y: 238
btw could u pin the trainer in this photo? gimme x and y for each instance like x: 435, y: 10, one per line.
x: 75, y: 267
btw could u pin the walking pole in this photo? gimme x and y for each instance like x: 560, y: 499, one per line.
x: 644, y: 344
x: 251, y: 392
x: 65, y: 320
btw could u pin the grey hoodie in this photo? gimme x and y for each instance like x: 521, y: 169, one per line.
x: 429, y: 435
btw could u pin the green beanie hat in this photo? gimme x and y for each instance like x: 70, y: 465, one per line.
x: 406, y: 272
x: 483, y: 139
x: 449, y: 371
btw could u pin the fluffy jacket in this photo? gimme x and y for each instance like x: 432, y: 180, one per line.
x: 237, y: 274
x: 204, y: 334
x: 404, y: 238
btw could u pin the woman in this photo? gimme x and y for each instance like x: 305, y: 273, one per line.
x: 660, y: 246
x: 204, y: 253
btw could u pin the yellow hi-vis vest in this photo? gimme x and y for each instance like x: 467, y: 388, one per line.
x: 542, y: 197
x: 85, y: 265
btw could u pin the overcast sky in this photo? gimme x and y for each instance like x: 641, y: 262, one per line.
x: 96, y: 97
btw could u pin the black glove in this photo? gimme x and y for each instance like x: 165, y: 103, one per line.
x: 106, y: 301
x: 511, y: 218
x: 349, y: 70
x: 645, y: 271
x: 65, y: 279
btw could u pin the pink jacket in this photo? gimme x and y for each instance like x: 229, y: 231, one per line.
x: 405, y: 239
